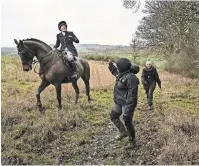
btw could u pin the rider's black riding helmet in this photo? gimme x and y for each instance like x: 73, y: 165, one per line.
x: 61, y: 23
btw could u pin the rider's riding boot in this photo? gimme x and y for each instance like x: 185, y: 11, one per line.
x: 64, y: 53
x: 74, y: 69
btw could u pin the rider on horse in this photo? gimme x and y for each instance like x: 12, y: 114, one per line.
x: 66, y: 39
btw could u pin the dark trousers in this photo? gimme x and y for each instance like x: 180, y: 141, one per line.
x: 149, y: 89
x: 116, y: 112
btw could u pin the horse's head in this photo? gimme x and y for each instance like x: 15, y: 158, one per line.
x: 25, y: 54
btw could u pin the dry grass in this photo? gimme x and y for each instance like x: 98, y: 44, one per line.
x: 26, y: 134
x: 181, y: 135
x: 100, y: 76
x: 179, y: 130
x: 30, y: 138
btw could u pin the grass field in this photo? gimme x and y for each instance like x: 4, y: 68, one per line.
x: 168, y: 135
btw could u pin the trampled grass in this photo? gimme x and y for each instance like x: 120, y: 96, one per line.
x: 29, y: 137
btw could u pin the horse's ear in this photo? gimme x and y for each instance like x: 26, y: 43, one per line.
x: 21, y: 42
x: 16, y: 42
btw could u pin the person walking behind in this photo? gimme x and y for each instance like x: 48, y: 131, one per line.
x: 149, y: 78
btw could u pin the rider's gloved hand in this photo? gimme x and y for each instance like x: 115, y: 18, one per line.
x: 71, y: 37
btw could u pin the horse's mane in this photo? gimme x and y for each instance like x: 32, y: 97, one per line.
x: 33, y: 39
x: 36, y: 40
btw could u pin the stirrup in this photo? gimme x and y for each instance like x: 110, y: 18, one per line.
x: 74, y: 75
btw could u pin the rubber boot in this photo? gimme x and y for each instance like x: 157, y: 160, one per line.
x: 131, y: 144
x: 122, y: 131
x: 131, y: 133
x: 115, y: 118
x: 121, y: 135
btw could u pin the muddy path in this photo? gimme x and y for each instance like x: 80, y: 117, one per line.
x: 104, y: 149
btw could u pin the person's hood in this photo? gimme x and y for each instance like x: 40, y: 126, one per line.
x: 123, y: 65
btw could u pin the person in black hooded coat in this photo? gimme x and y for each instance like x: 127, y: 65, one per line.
x: 125, y: 98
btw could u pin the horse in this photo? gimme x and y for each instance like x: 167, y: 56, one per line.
x: 53, y: 70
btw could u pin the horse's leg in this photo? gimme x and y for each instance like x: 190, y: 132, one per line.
x: 86, y: 82
x: 75, y: 86
x: 58, y: 90
x: 42, y: 86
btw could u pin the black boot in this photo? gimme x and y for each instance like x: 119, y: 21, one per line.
x: 122, y: 131
x: 131, y: 133
x: 120, y: 126
x: 74, y: 69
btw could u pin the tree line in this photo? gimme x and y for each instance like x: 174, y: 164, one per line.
x: 170, y: 28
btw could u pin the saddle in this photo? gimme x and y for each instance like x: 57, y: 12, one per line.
x: 63, y: 54
x: 69, y: 61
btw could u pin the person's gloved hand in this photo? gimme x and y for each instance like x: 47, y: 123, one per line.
x: 159, y: 86
x: 110, y: 63
x: 71, y: 37
x: 144, y: 82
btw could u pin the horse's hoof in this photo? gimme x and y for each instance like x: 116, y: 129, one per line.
x: 91, y: 99
x: 42, y: 110
x: 60, y: 115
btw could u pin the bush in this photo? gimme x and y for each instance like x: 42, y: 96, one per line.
x: 183, y: 64
x: 102, y: 58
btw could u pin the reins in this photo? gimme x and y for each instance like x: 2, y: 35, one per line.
x: 35, y: 62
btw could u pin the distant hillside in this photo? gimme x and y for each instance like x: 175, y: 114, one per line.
x: 8, y: 50
x: 82, y: 48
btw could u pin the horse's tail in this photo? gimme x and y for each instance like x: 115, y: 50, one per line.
x: 86, y: 72
x: 86, y: 76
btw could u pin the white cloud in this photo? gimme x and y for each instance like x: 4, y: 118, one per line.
x: 93, y: 21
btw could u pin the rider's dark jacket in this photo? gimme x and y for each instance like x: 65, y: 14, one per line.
x: 66, y: 41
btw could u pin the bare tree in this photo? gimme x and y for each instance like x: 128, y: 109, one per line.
x: 173, y: 28
x: 169, y: 24
x: 134, y: 5
x: 136, y: 45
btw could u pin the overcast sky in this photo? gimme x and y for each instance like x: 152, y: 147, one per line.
x: 92, y: 21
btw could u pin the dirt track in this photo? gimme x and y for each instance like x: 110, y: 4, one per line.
x: 104, y: 149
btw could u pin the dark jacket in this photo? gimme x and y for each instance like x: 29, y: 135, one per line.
x: 150, y: 75
x: 126, y: 88
x: 66, y: 41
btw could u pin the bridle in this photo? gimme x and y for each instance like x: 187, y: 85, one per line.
x: 35, y: 62
x: 32, y: 54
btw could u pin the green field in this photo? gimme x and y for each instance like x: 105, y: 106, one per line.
x: 84, y: 135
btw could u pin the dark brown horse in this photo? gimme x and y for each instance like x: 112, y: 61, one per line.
x: 52, y: 68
